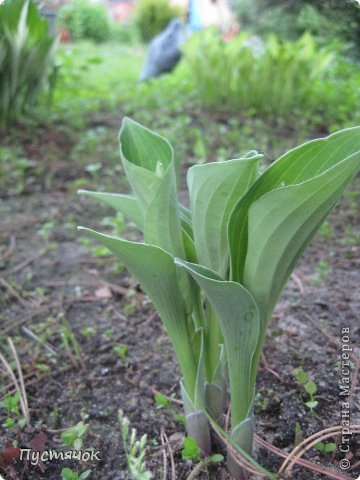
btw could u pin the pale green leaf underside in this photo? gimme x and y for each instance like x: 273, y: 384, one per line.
x: 239, y: 321
x: 143, y: 147
x: 216, y: 390
x: 200, y: 376
x: 125, y: 204
x: 214, y: 189
x: 144, y: 183
x: 197, y: 425
x: 148, y: 163
x: 142, y: 151
x: 281, y: 224
x: 243, y: 434
x: 162, y: 220
x: 155, y: 270
x: 297, y: 166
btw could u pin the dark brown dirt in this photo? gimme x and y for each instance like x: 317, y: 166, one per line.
x: 53, y: 284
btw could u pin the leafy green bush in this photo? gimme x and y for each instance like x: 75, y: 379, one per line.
x: 85, y: 20
x: 269, y: 78
x: 124, y: 34
x: 327, y: 19
x: 152, y: 16
x: 339, y: 94
x: 26, y: 57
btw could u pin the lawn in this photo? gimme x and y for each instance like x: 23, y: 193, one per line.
x: 87, y: 337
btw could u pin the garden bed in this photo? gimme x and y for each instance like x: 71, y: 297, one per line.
x: 100, y: 347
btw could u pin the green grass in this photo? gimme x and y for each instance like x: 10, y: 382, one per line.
x: 95, y: 77
x: 98, y: 85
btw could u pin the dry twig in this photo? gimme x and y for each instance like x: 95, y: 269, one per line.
x: 310, y: 442
x: 171, y: 455
x: 9, y: 251
x: 19, y: 385
x: 15, y: 294
x: 303, y: 463
x: 163, y: 447
x: 298, y: 283
x: 27, y: 261
x: 195, y: 472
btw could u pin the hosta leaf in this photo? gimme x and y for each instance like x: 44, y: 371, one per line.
x: 189, y: 246
x: 162, y: 220
x: 143, y: 147
x: 297, y: 166
x: 210, y: 395
x: 140, y: 160
x: 155, y: 270
x: 187, y: 234
x: 149, y: 165
x: 281, y: 224
x: 144, y: 183
x: 214, y: 190
x: 126, y: 204
x: 145, y: 156
x: 216, y: 390
x: 199, y: 400
x: 243, y: 434
x: 238, y: 317
x: 197, y: 424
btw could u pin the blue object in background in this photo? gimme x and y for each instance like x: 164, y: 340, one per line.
x: 164, y: 50
x: 194, y: 21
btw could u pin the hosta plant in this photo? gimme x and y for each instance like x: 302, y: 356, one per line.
x: 26, y: 57
x: 215, y: 270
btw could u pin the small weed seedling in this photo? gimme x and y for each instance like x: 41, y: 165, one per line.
x: 88, y: 332
x: 121, y: 350
x: 164, y: 402
x: 68, y: 474
x: 70, y: 343
x: 320, y: 446
x: 310, y: 387
x: 322, y: 272
x: 108, y: 333
x: 135, y: 450
x: 351, y: 236
x: 325, y: 447
x: 299, y: 435
x: 191, y: 451
x: 326, y: 230
x: 263, y: 398
x: 11, y: 404
x: 73, y: 436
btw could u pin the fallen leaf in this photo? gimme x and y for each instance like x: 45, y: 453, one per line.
x: 103, y: 292
x: 9, y: 454
x: 38, y: 443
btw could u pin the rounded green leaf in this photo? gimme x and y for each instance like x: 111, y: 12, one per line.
x: 311, y: 387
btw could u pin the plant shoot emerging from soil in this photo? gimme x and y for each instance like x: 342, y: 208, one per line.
x: 215, y: 271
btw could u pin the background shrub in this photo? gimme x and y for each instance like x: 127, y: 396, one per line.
x: 85, y: 20
x: 270, y: 78
x: 326, y: 19
x: 125, y: 34
x: 26, y: 57
x: 152, y: 16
